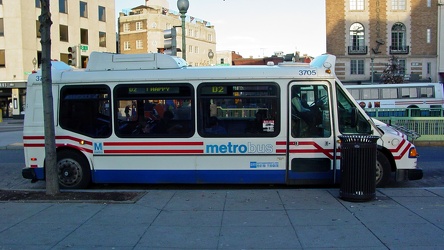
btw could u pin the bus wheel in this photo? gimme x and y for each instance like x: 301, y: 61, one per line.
x: 383, y: 171
x: 73, y: 170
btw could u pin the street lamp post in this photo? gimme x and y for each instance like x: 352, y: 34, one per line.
x: 211, y: 55
x: 183, y: 5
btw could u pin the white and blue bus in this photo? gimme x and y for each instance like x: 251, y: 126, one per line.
x: 151, y: 119
x: 402, y: 96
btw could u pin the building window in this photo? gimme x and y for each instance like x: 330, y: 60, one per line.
x: 398, y: 39
x: 429, y: 3
x: 83, y: 9
x: 102, y: 39
x: 139, y: 44
x: 102, y: 14
x: 2, y: 29
x: 356, y: 4
x: 37, y: 3
x: 401, y: 63
x: 357, y: 40
x: 37, y: 29
x: 83, y: 36
x: 429, y: 36
x: 63, y: 6
x: 63, y: 29
x: 190, y: 48
x: 357, y: 67
x: 126, y: 27
x: 139, y: 25
x: 2, y: 58
x: 429, y: 68
x: 196, y: 49
x: 398, y: 5
x: 210, y: 37
x: 126, y: 45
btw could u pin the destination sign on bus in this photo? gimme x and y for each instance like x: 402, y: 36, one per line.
x: 154, y: 90
x: 214, y: 90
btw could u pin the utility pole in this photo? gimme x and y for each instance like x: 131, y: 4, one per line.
x: 52, y: 180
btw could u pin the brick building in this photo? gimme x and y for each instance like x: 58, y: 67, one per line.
x: 141, y: 31
x: 365, y: 34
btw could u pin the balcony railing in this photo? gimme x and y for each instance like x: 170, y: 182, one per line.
x: 357, y: 50
x: 399, y: 49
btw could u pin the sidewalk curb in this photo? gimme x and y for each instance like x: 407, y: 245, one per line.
x: 14, y: 146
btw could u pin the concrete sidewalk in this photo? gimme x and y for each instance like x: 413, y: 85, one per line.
x: 284, y: 218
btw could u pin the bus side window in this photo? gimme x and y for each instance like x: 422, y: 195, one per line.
x: 85, y: 110
x: 242, y: 110
x: 156, y: 110
x: 349, y: 121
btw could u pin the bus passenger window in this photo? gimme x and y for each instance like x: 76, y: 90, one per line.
x: 238, y: 109
x: 86, y: 110
x: 155, y: 111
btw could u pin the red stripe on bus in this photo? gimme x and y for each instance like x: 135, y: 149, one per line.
x: 33, y: 145
x: 154, y: 151
x: 153, y: 143
x: 65, y: 137
x: 396, y: 150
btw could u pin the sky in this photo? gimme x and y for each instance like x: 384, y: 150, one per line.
x: 259, y: 28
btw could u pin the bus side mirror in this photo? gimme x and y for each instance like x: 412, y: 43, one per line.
x: 354, y: 117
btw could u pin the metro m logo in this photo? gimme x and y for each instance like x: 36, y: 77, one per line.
x: 98, y: 148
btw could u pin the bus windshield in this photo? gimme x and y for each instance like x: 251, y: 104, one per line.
x: 350, y: 120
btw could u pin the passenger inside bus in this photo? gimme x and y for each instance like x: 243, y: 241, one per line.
x: 166, y: 126
x: 303, y: 110
x: 214, y: 127
x: 257, y: 125
x: 307, y: 118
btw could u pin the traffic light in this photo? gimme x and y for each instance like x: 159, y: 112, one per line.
x: 169, y: 42
x: 72, y: 56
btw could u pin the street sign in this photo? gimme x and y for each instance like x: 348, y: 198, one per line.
x: 84, y: 48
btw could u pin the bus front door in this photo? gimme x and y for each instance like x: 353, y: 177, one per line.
x: 311, y: 145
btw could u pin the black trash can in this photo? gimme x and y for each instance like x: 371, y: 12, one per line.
x: 358, y: 167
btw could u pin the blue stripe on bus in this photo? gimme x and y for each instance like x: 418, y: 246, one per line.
x: 197, y: 177
x: 190, y: 176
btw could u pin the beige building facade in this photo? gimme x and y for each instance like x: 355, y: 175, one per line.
x: 365, y: 34
x: 141, y: 30
x: 90, y: 25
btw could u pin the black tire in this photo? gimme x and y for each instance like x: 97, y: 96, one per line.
x: 73, y: 170
x: 383, y: 170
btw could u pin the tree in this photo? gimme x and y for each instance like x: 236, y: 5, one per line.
x: 393, y: 72
x: 52, y: 182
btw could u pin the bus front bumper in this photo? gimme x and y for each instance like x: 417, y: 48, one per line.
x: 409, y: 174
